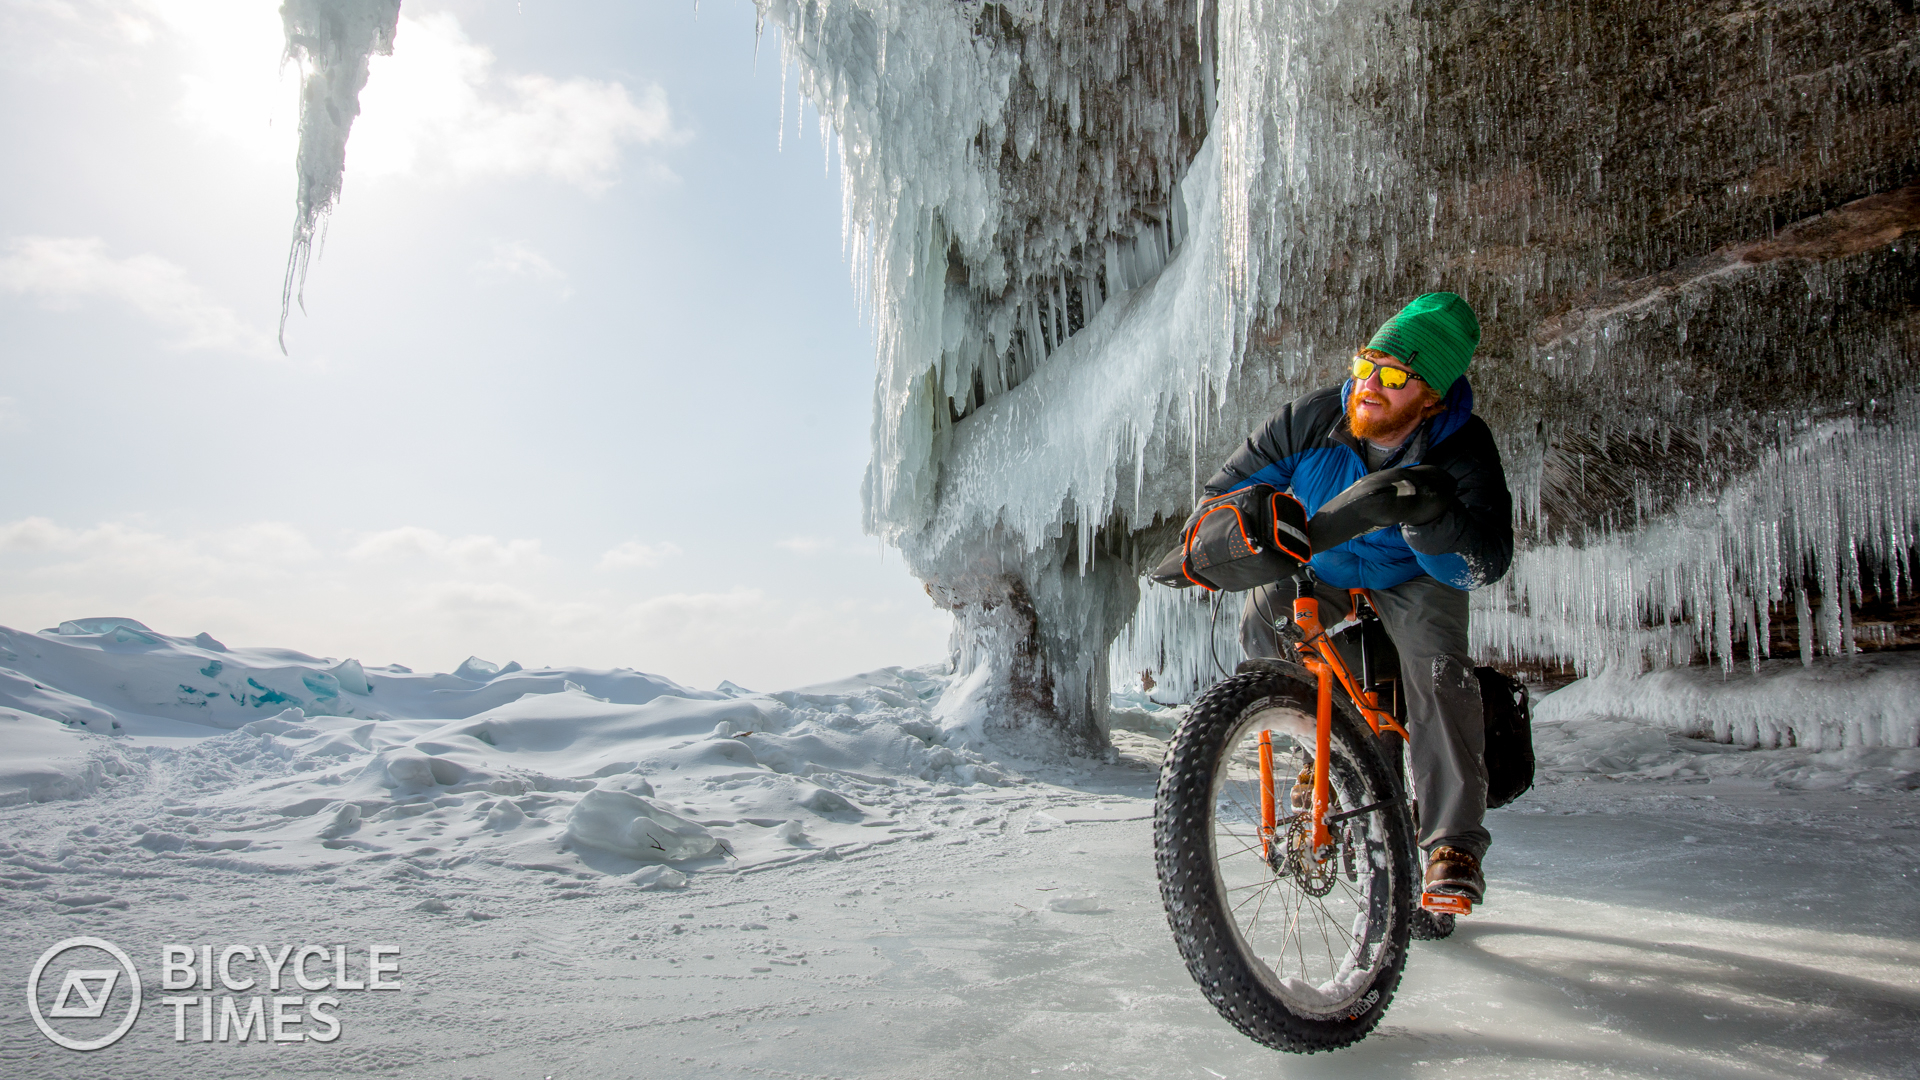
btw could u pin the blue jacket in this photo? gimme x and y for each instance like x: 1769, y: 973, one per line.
x: 1308, y: 448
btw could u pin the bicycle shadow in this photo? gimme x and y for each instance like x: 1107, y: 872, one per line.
x: 1703, y: 1010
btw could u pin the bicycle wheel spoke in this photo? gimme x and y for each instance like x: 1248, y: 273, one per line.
x: 1257, y: 909
x: 1245, y: 900
x: 1246, y: 846
x: 1304, y: 916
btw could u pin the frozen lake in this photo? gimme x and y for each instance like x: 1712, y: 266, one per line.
x: 1632, y: 929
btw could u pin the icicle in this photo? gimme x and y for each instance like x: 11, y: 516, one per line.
x: 333, y: 41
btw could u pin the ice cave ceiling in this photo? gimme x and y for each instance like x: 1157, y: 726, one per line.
x: 1105, y: 239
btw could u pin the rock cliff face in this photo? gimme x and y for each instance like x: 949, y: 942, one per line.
x: 1106, y: 239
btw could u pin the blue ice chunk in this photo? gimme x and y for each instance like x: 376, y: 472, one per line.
x: 352, y: 677
x: 102, y: 626
x: 475, y: 669
x: 322, y: 685
x: 268, y: 696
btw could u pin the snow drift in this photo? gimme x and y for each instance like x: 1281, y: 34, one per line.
x: 306, y: 760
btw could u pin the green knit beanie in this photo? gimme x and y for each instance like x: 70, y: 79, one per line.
x: 1435, y: 336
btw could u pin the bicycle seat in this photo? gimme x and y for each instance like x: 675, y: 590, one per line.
x: 1413, y: 495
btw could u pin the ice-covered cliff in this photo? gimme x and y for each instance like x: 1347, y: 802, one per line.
x: 1686, y: 227
x: 1103, y: 240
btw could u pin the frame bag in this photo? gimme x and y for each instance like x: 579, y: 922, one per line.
x: 1240, y: 540
x: 1509, y: 736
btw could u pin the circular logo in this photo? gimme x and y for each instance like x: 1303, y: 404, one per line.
x: 84, y: 993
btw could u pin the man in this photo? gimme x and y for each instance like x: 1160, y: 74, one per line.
x: 1407, y: 403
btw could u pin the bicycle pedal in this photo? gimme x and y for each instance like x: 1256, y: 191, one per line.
x: 1446, y: 903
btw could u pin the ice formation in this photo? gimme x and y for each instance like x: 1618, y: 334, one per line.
x: 1100, y: 242
x: 1831, y: 512
x: 1831, y: 705
x: 333, y: 41
x: 1730, y: 310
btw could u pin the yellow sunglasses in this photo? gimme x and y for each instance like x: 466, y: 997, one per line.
x: 1392, y: 378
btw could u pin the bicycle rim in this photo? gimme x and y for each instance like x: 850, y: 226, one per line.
x: 1317, y: 931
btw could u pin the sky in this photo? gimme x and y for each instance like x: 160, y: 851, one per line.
x: 581, y: 376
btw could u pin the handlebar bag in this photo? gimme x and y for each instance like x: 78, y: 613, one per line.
x: 1240, y: 540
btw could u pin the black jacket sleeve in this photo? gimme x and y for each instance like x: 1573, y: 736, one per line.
x: 1478, y: 527
x: 1275, y: 446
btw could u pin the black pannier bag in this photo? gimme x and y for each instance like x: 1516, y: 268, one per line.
x: 1241, y: 540
x: 1509, y: 736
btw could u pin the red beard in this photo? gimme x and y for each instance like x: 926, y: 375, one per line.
x: 1376, y: 425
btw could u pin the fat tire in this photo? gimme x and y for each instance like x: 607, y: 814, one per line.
x: 1430, y: 925
x: 1190, y: 886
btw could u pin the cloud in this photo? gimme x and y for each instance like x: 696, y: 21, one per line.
x: 263, y: 542
x: 479, y: 598
x: 50, y: 37
x: 513, y: 260
x: 120, y: 551
x: 437, y: 109
x: 805, y: 545
x: 35, y: 534
x: 233, y: 85
x: 423, y: 598
x: 686, y: 612
x: 60, y: 272
x: 635, y: 555
x: 468, y: 552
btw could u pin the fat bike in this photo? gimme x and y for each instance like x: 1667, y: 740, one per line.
x: 1284, y: 838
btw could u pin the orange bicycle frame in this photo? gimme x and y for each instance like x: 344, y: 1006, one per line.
x: 1318, y: 654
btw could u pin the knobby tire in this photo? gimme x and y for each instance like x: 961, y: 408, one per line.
x: 1252, y: 936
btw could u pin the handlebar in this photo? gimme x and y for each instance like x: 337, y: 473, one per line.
x: 1414, y: 495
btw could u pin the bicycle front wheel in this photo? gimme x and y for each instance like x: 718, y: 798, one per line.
x: 1299, y: 949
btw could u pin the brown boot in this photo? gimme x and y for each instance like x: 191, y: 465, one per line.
x: 1455, y: 873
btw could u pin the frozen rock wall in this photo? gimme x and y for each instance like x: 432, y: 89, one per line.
x: 1014, y: 184
x: 1685, y: 225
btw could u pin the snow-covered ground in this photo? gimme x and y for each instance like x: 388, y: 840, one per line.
x: 596, y: 874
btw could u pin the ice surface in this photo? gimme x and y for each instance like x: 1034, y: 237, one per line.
x: 631, y: 824
x: 199, y: 681
x: 1657, y: 901
x: 47, y: 759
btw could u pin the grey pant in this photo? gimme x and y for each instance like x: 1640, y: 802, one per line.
x: 1428, y: 624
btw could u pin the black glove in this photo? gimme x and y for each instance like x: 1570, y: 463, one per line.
x: 1416, y: 495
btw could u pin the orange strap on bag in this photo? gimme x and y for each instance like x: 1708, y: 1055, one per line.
x: 1245, y: 538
